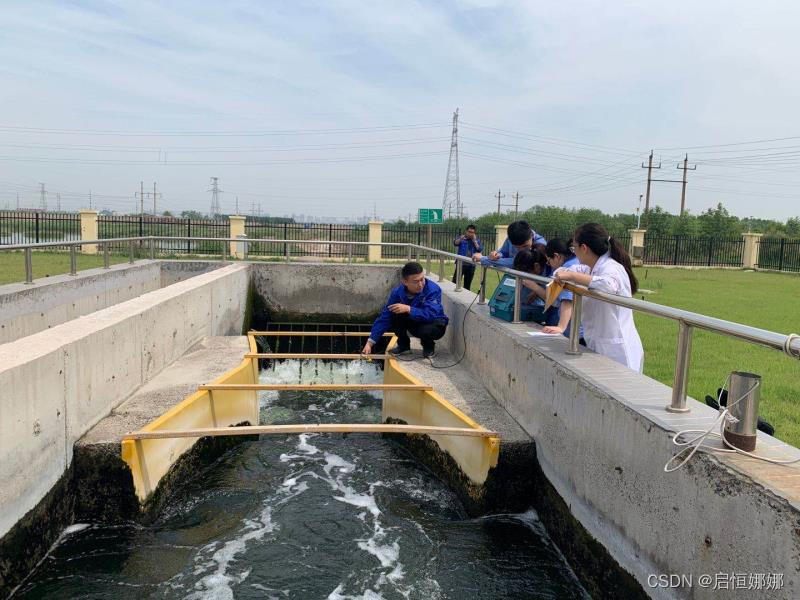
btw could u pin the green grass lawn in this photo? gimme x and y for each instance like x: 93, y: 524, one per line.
x: 47, y: 264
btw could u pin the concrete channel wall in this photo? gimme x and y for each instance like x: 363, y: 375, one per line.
x: 26, y: 309
x: 56, y: 384
x: 602, y: 439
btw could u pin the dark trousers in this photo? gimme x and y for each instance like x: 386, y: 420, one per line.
x: 468, y: 271
x: 403, y: 325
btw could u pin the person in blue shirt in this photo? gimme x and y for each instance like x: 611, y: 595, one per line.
x: 468, y: 244
x: 520, y: 236
x: 415, y: 308
x: 558, y: 255
x: 534, y: 262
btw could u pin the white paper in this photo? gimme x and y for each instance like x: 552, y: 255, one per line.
x: 542, y: 333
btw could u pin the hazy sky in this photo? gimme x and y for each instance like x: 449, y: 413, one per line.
x: 331, y: 108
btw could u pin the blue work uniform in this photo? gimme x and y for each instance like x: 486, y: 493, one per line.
x: 508, y: 252
x: 567, y: 295
x: 468, y: 247
x: 426, y: 307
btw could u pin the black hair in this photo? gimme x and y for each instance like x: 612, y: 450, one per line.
x: 599, y: 242
x: 411, y: 268
x: 519, y: 232
x: 527, y: 260
x: 558, y: 246
x: 472, y: 226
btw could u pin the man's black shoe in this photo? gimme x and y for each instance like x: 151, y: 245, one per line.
x: 428, y: 352
x: 398, y: 350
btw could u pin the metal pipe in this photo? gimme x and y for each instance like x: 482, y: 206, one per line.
x: 517, y: 300
x: 225, y: 251
x: 482, y: 292
x: 427, y: 262
x: 106, y: 257
x: 575, y: 326
x: 441, y: 268
x: 28, y: 265
x: 73, y: 260
x: 132, y: 250
x: 681, y: 378
x: 408, y: 255
x: 458, y: 275
x: 349, y: 253
x: 152, y: 248
x: 287, y: 252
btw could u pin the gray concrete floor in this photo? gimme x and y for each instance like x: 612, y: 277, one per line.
x: 203, y: 362
x: 462, y: 390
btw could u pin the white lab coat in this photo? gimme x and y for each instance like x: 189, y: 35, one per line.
x: 609, y: 329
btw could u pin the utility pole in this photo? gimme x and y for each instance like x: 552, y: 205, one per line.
x: 155, y: 197
x: 516, y: 203
x: 685, y: 167
x: 42, y: 197
x: 639, y: 213
x: 498, y: 201
x: 17, y: 200
x: 58, y: 202
x: 237, y: 205
x: 649, y: 168
x: 141, y: 199
x: 90, y: 199
x: 452, y: 184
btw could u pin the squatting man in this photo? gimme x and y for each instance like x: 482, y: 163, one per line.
x: 413, y: 308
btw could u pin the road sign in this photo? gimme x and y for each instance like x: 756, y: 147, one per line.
x: 430, y: 216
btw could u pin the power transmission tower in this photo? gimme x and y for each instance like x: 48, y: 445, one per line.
x: 58, y: 202
x: 237, y: 205
x: 516, y: 203
x: 141, y: 198
x: 452, y: 186
x: 155, y: 197
x: 685, y: 168
x: 42, y: 197
x: 215, y: 210
x: 17, y: 200
x: 649, y: 168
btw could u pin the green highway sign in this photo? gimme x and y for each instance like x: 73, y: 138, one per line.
x: 430, y: 216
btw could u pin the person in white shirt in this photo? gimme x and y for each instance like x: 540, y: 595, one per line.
x: 606, y: 267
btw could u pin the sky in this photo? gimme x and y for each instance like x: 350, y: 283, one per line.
x: 344, y: 109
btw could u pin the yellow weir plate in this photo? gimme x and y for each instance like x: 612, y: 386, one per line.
x: 233, y: 398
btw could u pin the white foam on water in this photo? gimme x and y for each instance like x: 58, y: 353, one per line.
x: 75, y: 528
x: 367, y: 595
x: 217, y: 585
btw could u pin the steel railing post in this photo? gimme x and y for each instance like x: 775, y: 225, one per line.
x: 428, y: 262
x: 225, y: 245
x: 517, y: 300
x: 408, y: 255
x: 458, y: 275
x: 152, y: 248
x: 575, y: 325
x: 73, y: 260
x: 441, y: 268
x: 106, y: 257
x: 28, y: 265
x: 681, y: 377
x: 349, y: 253
x: 132, y: 251
x: 482, y: 292
x: 286, y: 251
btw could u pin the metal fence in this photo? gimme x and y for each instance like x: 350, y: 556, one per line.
x: 688, y: 250
x: 441, y: 239
x: 779, y: 253
x: 121, y: 226
x: 306, y: 231
x: 33, y: 227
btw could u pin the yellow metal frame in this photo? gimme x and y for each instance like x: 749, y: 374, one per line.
x: 232, y: 399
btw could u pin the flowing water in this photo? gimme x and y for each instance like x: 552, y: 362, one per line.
x: 310, y: 516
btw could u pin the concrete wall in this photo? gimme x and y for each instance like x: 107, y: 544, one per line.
x: 295, y: 290
x: 56, y: 384
x: 27, y: 309
x: 603, y: 437
x: 173, y: 271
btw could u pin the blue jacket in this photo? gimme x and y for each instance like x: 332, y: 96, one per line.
x: 468, y: 247
x: 508, y: 252
x: 426, y: 307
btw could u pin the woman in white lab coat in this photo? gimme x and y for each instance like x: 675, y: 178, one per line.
x: 605, y: 267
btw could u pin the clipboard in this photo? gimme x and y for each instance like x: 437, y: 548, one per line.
x: 553, y: 289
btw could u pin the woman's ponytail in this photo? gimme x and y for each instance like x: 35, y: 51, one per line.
x: 599, y: 242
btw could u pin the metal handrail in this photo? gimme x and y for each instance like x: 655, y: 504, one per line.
x: 687, y: 320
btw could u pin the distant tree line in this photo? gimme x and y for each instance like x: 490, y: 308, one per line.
x: 717, y: 222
